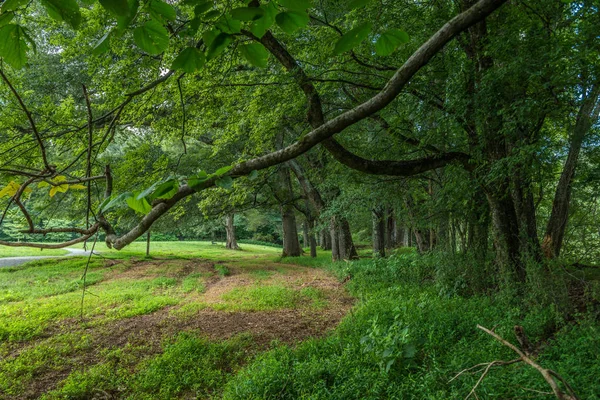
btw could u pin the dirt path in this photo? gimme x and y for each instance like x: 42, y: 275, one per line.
x: 14, y: 261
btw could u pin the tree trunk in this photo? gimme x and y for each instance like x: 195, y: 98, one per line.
x: 305, y: 236
x: 312, y: 240
x: 346, y: 245
x: 506, y: 232
x: 390, y: 230
x: 325, y: 238
x: 557, y: 224
x: 148, y: 243
x: 335, y: 248
x: 231, y: 242
x: 379, y: 238
x: 291, y: 244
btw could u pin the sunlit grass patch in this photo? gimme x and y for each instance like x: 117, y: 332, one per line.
x: 17, y: 372
x: 193, y: 283
x: 264, y: 298
x: 190, y: 366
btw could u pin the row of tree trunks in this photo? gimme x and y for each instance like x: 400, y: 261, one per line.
x: 340, y: 237
x: 342, y: 246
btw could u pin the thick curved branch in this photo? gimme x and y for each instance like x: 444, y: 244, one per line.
x: 391, y: 167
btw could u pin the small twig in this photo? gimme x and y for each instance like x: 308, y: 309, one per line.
x: 30, y: 119
x: 87, y: 265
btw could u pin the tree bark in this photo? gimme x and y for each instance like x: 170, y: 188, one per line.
x: 557, y: 224
x: 378, y: 232
x: 390, y: 230
x: 335, y: 242
x: 312, y: 240
x: 346, y: 245
x: 148, y: 243
x: 506, y: 232
x: 231, y: 242
x: 291, y: 244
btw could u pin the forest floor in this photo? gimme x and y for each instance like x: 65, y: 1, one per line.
x: 137, y: 311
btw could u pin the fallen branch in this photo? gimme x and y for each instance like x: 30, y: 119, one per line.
x: 549, y: 376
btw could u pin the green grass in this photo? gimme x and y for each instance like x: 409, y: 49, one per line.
x: 259, y: 298
x: 41, y: 334
x: 190, y: 366
x: 9, y: 251
x: 205, y: 250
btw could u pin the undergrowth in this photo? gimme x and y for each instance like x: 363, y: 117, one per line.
x: 414, y: 330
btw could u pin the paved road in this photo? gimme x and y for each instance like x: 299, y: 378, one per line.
x: 12, y: 261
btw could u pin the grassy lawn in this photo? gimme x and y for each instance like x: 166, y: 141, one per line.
x: 8, y: 251
x: 175, y: 325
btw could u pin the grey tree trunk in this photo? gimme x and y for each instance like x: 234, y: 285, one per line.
x: 390, y: 230
x: 335, y: 242
x: 148, y: 243
x: 305, y: 237
x: 346, y: 244
x: 379, y: 237
x: 291, y: 244
x: 312, y: 240
x: 557, y: 224
x: 231, y: 242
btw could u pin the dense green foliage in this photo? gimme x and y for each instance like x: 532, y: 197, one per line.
x: 453, y: 146
x: 368, y: 357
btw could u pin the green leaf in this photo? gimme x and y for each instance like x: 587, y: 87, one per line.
x: 12, y: 5
x: 202, y: 8
x: 189, y: 60
x: 357, y: 4
x: 256, y: 54
x: 409, y: 351
x: 6, y: 18
x: 247, y: 13
x: 102, y: 45
x: 124, y: 21
x: 352, y: 38
x: 295, y: 5
x: 119, y: 8
x: 166, y: 190
x: 110, y: 203
x: 209, y: 36
x: 195, y: 180
x: 262, y: 25
x: 389, y: 41
x: 152, y: 37
x: 229, y: 25
x: 138, y: 205
x: 253, y: 175
x: 146, y: 192
x: 225, y: 182
x: 218, y: 45
x: 223, y: 170
x: 212, y: 14
x: 13, y: 47
x: 64, y: 10
x: 160, y: 10
x: 291, y: 21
